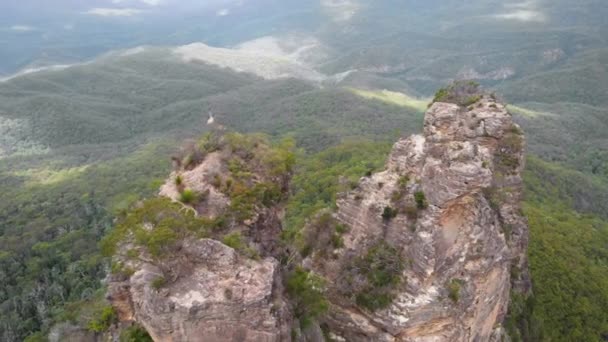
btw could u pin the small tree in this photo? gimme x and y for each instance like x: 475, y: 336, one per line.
x: 307, y: 291
x: 420, y: 199
x: 158, y: 282
x: 389, y: 213
x: 103, y: 319
x: 454, y: 290
x: 188, y: 196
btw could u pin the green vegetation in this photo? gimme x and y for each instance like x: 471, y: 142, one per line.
x: 463, y: 93
x: 306, y: 290
x: 520, y: 323
x: 322, y: 234
x: 509, y: 150
x: 188, y: 196
x: 381, y: 269
x: 575, y: 265
x: 103, y: 319
x: 420, y: 199
x: 316, y: 182
x: 568, y: 258
x: 234, y: 240
x: 396, y: 98
x: 97, y: 118
x: 49, y: 232
x: 135, y: 333
x: 158, y: 282
x: 454, y: 287
x: 157, y: 224
x: 255, y: 155
x: 569, y: 266
x: 389, y: 213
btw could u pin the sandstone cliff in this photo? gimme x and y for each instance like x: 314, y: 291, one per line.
x: 217, y: 279
x: 434, y: 243
x: 429, y: 249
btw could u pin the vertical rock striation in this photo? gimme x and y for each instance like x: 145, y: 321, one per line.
x: 448, y: 207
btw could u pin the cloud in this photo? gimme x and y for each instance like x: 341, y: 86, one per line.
x: 526, y: 11
x: 113, y: 12
x: 145, y: 2
x: 340, y: 10
x: 151, y: 2
x: 22, y: 28
x: 223, y: 12
x: 523, y: 15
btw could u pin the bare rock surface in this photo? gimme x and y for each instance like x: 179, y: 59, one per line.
x: 223, y: 297
x: 458, y: 248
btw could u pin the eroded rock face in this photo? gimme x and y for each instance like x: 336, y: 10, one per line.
x: 448, y: 203
x: 204, y: 290
x: 223, y: 297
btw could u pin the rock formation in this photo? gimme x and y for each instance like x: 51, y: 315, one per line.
x: 447, y: 208
x: 202, y: 289
x: 427, y: 250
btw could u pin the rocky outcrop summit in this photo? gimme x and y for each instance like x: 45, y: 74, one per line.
x: 435, y: 242
x: 212, y: 276
x: 430, y: 249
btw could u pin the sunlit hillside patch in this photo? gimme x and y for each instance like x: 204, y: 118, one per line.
x: 48, y: 176
x: 14, y: 140
x: 526, y: 112
x: 393, y: 97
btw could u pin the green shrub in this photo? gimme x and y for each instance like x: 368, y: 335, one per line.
x: 462, y: 93
x: 322, y: 234
x: 374, y: 301
x: 135, y: 333
x: 493, y: 196
x: 507, y: 157
x: 188, y: 196
x: 306, y: 291
x: 102, y: 320
x: 389, y: 213
x: 441, y: 95
x: 454, y: 287
x: 471, y: 100
x: 397, y: 195
x: 381, y: 270
x: 420, y: 199
x: 36, y: 337
x: 157, y: 224
x: 337, y: 241
x: 216, y: 181
x: 341, y: 228
x: 158, y: 282
x: 234, y: 240
x: 403, y: 181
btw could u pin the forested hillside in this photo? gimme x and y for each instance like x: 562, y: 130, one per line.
x: 80, y: 145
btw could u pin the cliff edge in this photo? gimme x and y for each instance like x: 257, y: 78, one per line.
x: 433, y: 245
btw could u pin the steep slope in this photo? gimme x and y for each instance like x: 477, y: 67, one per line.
x: 172, y: 273
x: 428, y: 249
